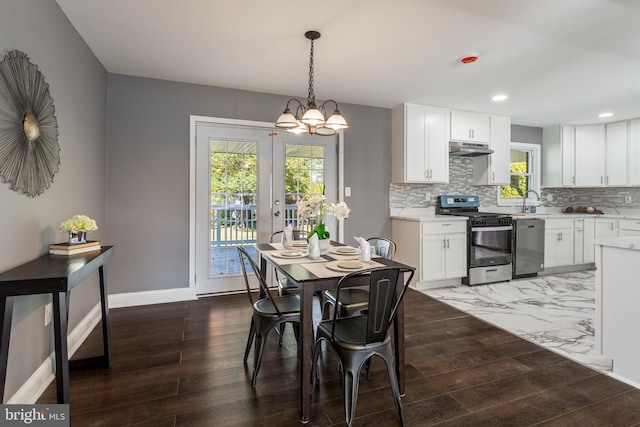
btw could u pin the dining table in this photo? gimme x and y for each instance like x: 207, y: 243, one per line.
x: 316, y: 275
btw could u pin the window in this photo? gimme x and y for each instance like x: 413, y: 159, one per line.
x: 524, y: 173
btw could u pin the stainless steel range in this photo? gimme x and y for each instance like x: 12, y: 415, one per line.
x: 489, y: 239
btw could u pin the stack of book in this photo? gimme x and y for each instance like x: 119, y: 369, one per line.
x: 68, y: 249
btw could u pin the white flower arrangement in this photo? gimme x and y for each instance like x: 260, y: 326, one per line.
x: 316, y: 209
x: 78, y: 223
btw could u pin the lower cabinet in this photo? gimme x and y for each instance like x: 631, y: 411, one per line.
x: 444, y: 256
x: 559, y: 242
x: 437, y: 248
x: 628, y: 227
x: 584, y: 249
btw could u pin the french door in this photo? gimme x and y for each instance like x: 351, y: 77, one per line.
x: 247, y: 181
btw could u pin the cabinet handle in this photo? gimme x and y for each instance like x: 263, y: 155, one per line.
x: 493, y: 176
x: 447, y: 243
x: 601, y: 180
x: 559, y: 237
x: 444, y: 243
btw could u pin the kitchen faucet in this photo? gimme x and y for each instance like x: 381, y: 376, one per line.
x: 524, y: 199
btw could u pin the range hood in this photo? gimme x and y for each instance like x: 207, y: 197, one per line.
x: 469, y: 149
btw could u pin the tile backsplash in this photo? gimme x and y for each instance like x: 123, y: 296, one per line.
x: 461, y: 182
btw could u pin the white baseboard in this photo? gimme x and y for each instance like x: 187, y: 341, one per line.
x: 132, y: 299
x: 38, y: 382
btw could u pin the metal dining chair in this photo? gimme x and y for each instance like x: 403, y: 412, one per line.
x: 356, y: 339
x: 354, y: 300
x: 268, y: 313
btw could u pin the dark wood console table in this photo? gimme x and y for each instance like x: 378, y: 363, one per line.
x: 55, y: 275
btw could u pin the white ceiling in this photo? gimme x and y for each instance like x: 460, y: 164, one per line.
x: 560, y: 61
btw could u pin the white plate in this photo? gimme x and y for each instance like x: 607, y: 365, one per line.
x: 346, y: 266
x: 344, y: 250
x: 289, y: 254
x: 300, y: 244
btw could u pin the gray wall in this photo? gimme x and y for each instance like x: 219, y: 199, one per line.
x: 148, y: 182
x: 78, y: 85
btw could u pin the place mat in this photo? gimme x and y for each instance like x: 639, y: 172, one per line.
x: 321, y: 270
x: 297, y: 245
x: 286, y: 261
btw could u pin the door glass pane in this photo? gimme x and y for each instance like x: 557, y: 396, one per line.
x: 233, y: 195
x: 304, y: 177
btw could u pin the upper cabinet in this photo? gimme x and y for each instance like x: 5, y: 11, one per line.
x: 589, y: 160
x: 634, y: 152
x: 494, y: 169
x: 468, y: 126
x: 420, y: 144
x: 616, y: 144
x: 589, y: 156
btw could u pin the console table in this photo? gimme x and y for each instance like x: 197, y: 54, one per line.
x: 55, y: 275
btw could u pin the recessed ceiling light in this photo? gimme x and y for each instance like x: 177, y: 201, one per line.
x: 602, y: 115
x: 499, y: 97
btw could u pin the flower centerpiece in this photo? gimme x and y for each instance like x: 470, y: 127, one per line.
x: 316, y: 209
x: 78, y: 226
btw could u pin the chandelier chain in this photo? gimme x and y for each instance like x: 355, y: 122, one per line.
x: 311, y: 98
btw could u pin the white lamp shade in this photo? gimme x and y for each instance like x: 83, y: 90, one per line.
x: 313, y: 117
x: 299, y: 129
x: 336, y: 122
x: 286, y: 120
x: 325, y: 131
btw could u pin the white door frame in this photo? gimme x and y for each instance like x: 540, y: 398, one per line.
x: 193, y: 120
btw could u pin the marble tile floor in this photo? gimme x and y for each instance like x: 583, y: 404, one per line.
x: 555, y: 311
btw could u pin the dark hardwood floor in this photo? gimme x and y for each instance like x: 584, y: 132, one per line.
x: 180, y: 364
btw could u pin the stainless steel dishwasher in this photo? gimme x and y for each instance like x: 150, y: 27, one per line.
x: 528, y: 248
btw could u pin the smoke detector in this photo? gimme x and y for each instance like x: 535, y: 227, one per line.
x: 469, y: 58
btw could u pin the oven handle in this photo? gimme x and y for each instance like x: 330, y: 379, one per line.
x: 501, y: 228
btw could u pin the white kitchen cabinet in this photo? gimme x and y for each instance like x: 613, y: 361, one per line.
x: 628, y: 227
x: 469, y: 126
x: 558, y: 242
x: 437, y: 248
x: 606, y: 227
x: 633, y: 164
x: 420, y: 144
x: 444, y: 256
x: 558, y: 152
x: 616, y: 144
x: 589, y: 160
x: 494, y: 169
x: 584, y: 232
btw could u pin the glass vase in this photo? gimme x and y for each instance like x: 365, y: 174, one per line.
x: 77, y: 237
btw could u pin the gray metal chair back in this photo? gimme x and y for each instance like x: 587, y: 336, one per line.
x: 386, y: 248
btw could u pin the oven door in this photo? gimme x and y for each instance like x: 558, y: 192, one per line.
x: 490, y: 245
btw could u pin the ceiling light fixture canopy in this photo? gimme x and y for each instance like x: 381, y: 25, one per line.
x: 311, y: 118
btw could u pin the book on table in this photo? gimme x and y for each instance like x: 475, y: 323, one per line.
x: 69, y: 249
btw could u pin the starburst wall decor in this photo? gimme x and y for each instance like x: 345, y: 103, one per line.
x: 29, y: 150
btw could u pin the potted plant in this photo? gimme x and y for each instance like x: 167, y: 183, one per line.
x: 315, y: 210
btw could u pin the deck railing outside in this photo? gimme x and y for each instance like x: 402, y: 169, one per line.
x: 236, y: 224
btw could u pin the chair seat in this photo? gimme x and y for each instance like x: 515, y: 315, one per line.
x: 349, y: 297
x: 287, y: 287
x: 350, y: 332
x: 288, y: 305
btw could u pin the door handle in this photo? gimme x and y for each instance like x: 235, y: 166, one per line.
x: 276, y: 213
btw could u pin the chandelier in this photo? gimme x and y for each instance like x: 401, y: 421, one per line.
x: 311, y: 118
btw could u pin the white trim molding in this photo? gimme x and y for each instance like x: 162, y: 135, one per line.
x: 132, y: 299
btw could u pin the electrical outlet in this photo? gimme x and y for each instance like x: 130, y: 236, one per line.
x: 48, y: 314
x: 549, y: 197
x: 347, y: 191
x: 427, y: 196
x: 628, y: 199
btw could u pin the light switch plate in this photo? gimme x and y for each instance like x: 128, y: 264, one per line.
x: 347, y: 191
x: 427, y: 196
